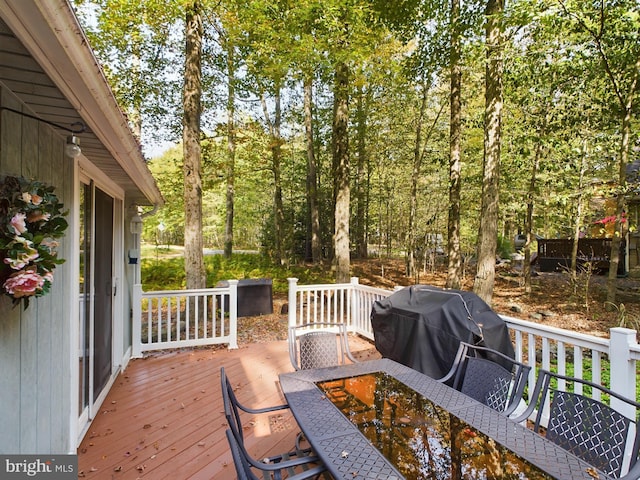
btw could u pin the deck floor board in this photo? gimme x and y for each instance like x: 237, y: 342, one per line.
x: 163, y: 418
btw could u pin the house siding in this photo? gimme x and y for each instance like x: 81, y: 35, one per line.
x: 35, y: 346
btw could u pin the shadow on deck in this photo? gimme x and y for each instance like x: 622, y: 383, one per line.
x: 163, y: 418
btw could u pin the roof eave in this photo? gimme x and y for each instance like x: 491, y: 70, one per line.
x: 57, y: 42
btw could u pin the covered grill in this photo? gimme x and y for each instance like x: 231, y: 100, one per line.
x: 422, y: 326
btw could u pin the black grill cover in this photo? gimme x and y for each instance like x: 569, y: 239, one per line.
x: 422, y: 326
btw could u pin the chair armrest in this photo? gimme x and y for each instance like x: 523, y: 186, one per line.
x: 264, y: 409
x: 633, y: 473
x: 462, y: 350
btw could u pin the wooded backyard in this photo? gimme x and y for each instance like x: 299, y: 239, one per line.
x: 327, y: 131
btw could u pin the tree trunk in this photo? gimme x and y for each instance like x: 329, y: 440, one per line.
x: 276, y: 159
x: 360, y: 236
x: 578, y: 219
x: 231, y: 151
x: 277, y: 180
x: 627, y: 105
x: 135, y: 114
x: 415, y: 174
x: 454, y: 270
x: 488, y: 230
x: 528, y: 222
x: 193, y: 260
x: 616, y: 241
x: 341, y: 165
x: 312, y: 175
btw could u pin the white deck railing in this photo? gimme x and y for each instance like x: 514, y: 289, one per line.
x: 187, y: 318
x: 608, y: 361
x: 184, y: 318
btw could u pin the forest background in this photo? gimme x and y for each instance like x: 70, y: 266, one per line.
x: 329, y: 130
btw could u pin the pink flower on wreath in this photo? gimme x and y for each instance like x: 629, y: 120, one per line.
x: 18, y: 223
x: 48, y: 277
x: 50, y: 245
x: 24, y: 283
x: 37, y: 216
x: 36, y: 199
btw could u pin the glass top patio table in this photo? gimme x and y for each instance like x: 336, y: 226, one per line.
x: 360, y: 421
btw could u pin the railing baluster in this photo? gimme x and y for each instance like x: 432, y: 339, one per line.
x: 562, y: 358
x: 158, y: 322
x: 149, y: 321
x: 596, y: 372
x: 578, y: 364
x: 171, y: 315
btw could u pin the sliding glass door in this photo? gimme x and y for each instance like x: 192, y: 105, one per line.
x: 96, y: 295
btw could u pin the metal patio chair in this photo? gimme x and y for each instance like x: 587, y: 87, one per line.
x: 295, y: 464
x: 275, y: 467
x: 317, y: 345
x: 488, y: 376
x: 585, y: 426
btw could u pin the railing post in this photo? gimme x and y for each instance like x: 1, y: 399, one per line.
x: 293, y: 294
x: 353, y: 317
x: 233, y: 314
x: 622, y: 368
x: 136, y: 324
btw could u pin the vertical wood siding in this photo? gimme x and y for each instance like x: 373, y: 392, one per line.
x: 34, y: 344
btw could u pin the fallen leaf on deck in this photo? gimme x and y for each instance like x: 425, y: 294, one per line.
x: 592, y: 472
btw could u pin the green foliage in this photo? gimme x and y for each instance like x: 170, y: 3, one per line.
x: 168, y: 273
x: 562, y: 100
x: 505, y: 247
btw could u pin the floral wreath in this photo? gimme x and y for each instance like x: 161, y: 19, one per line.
x: 31, y: 218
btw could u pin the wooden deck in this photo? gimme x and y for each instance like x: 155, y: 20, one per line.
x: 163, y: 418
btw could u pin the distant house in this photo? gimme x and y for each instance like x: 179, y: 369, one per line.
x: 59, y: 357
x: 633, y: 211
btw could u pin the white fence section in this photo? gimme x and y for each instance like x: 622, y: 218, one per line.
x: 348, y: 303
x: 184, y: 318
x: 608, y: 361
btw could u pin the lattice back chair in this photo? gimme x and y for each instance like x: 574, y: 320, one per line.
x: 599, y: 433
x: 317, y: 345
x: 488, y: 376
x: 295, y: 464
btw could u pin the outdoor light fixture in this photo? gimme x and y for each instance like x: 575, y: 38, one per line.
x: 72, y: 147
x: 136, y: 231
